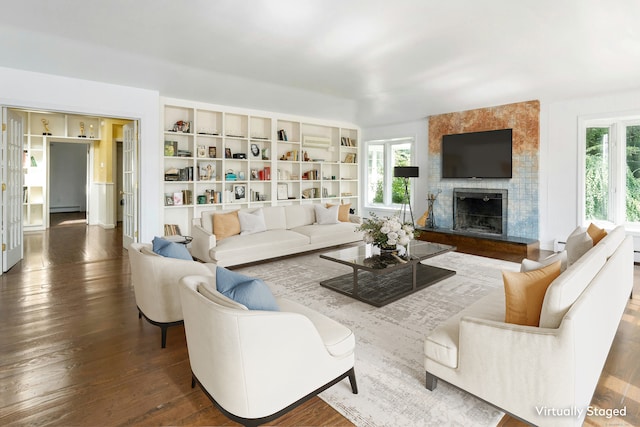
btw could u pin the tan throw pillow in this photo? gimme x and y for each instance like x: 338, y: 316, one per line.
x: 524, y: 293
x: 226, y: 225
x: 596, y: 233
x: 343, y: 211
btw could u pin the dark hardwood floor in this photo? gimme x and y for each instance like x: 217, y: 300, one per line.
x: 74, y: 353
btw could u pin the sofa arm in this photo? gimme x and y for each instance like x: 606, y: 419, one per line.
x: 517, y: 368
x: 202, y: 242
x: 355, y: 219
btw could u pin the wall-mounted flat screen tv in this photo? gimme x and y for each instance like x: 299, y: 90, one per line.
x: 477, y: 154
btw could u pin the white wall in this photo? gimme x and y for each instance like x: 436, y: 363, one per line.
x: 559, y: 147
x: 47, y: 92
x: 419, y: 131
x: 67, y: 177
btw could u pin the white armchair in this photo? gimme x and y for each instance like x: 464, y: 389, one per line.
x: 155, y: 284
x: 257, y: 365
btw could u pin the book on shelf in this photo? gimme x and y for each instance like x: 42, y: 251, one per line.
x: 345, y: 141
x: 282, y: 135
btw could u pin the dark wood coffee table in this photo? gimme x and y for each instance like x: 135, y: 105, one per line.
x: 379, y: 279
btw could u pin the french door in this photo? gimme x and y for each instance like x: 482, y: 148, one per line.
x: 12, y: 189
x: 129, y: 184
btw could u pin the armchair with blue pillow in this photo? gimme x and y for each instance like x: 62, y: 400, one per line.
x: 155, y: 271
x: 257, y: 356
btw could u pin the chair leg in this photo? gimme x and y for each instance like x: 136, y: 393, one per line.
x: 432, y: 382
x: 193, y: 381
x: 139, y: 314
x: 164, y: 336
x: 352, y: 380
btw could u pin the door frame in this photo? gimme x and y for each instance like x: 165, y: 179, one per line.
x: 89, y: 112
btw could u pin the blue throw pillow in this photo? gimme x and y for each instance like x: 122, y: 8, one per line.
x: 170, y: 249
x: 251, y: 292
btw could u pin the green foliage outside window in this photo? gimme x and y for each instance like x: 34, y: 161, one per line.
x: 597, y: 175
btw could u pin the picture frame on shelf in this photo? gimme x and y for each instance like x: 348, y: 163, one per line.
x: 207, y: 172
x: 240, y: 193
x: 255, y: 152
x: 212, y: 152
x: 177, y: 198
x: 168, y: 200
x: 202, y: 151
x: 283, y: 191
x: 227, y: 153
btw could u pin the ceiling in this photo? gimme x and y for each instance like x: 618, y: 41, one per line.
x: 394, y: 60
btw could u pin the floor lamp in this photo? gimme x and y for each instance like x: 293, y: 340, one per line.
x: 406, y: 172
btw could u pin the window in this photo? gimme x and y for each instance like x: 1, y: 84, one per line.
x: 612, y: 171
x: 382, y: 189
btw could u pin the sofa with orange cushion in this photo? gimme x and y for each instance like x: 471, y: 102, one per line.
x: 543, y: 369
x: 241, y: 236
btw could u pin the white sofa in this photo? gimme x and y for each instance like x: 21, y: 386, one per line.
x: 256, y: 365
x: 290, y: 229
x: 534, y: 372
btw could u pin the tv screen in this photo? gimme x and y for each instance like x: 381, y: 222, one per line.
x: 477, y: 154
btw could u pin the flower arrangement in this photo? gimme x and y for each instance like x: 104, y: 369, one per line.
x: 387, y: 232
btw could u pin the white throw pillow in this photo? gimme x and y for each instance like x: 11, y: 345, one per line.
x: 252, y: 222
x: 530, y: 265
x: 578, y: 243
x: 326, y: 215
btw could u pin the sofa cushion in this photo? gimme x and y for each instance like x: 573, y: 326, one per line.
x: 170, y: 249
x: 524, y: 293
x: 226, y: 225
x: 341, y: 232
x: 267, y: 242
x: 251, y: 222
x: 337, y: 338
x: 343, y: 211
x: 251, y: 292
x: 596, y: 233
x: 529, y: 265
x: 578, y: 243
x: 299, y: 215
x: 325, y: 216
x: 274, y: 217
x: 442, y: 343
x: 566, y: 289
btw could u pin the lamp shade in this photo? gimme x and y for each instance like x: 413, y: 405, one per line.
x: 405, y: 171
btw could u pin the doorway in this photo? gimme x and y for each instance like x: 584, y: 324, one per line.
x: 68, y: 178
x: 72, y: 164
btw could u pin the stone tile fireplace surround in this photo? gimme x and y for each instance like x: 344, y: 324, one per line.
x: 522, y: 188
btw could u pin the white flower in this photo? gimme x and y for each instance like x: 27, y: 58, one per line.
x: 404, y: 241
x: 392, y: 235
x: 385, y: 229
x: 392, y: 242
x: 402, y: 233
x: 395, y: 226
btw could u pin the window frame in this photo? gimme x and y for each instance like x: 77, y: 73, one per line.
x: 387, y: 143
x: 617, y: 169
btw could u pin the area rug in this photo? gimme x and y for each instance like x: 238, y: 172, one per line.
x: 389, y: 340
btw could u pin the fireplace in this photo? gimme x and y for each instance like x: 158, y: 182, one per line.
x: 480, y: 211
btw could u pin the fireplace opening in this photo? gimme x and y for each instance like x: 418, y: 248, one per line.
x: 480, y: 211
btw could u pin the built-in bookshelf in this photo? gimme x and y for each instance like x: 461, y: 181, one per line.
x: 41, y: 128
x: 222, y: 158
